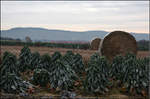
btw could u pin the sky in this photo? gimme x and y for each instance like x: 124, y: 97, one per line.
x: 129, y: 16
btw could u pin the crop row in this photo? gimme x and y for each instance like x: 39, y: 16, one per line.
x: 68, y: 72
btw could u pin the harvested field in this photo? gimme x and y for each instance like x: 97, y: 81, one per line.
x: 42, y: 50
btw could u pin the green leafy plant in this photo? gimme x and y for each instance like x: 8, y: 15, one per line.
x: 41, y: 77
x: 11, y: 83
x: 145, y: 62
x: 45, y: 62
x: 69, y: 57
x: 62, y: 76
x: 9, y: 64
x: 133, y: 73
x: 134, y: 78
x: 97, y: 75
x: 120, y: 66
x: 5, y: 55
x: 69, y: 53
x: 117, y: 67
x: 35, y: 60
x: 129, y: 55
x: 75, y: 61
x: 78, y: 64
x: 129, y: 63
x: 55, y: 56
x: 25, y: 59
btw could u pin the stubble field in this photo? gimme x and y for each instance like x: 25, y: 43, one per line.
x: 42, y: 50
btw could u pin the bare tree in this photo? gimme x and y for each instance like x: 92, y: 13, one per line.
x: 28, y: 39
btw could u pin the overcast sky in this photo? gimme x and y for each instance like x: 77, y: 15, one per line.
x: 130, y: 16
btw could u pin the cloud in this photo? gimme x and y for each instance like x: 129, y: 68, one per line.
x: 76, y: 13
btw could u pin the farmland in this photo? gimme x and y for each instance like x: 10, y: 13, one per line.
x: 41, y: 70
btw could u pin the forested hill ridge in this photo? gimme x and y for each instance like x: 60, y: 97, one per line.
x: 43, y: 34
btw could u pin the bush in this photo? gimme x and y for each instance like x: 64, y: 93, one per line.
x: 45, y: 62
x: 134, y: 77
x: 41, y: 77
x: 132, y: 72
x: 117, y: 67
x: 55, y: 56
x: 62, y: 76
x: 75, y: 61
x: 97, y: 75
x: 11, y: 83
x: 78, y: 64
x: 35, y: 60
x: 9, y: 64
x: 25, y: 59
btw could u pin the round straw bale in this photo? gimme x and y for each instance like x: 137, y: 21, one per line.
x: 118, y: 42
x: 95, y: 43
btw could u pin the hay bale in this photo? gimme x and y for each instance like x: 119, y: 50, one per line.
x: 95, y: 43
x: 117, y: 42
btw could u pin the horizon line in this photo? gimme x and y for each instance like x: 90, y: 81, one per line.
x: 70, y: 30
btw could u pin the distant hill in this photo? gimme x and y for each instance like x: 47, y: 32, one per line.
x: 50, y: 34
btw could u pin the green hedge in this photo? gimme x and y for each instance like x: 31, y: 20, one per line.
x: 142, y: 45
x: 46, y: 44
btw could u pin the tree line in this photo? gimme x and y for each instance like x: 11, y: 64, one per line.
x: 143, y: 45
